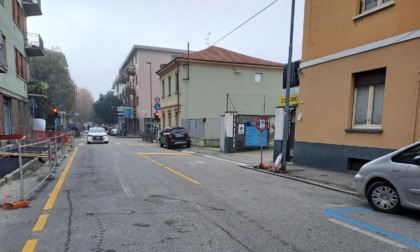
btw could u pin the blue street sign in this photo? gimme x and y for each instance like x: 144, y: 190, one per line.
x: 157, y: 106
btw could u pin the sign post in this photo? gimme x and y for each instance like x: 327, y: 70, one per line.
x: 261, y: 124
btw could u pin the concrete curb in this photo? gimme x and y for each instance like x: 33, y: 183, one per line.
x: 307, y: 181
x: 311, y: 182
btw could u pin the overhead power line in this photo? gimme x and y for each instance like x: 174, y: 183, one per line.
x: 245, y: 22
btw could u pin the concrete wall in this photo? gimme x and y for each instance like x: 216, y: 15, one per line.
x: 336, y: 46
x: 329, y: 26
x: 205, y: 94
x: 9, y: 82
x: 12, y: 86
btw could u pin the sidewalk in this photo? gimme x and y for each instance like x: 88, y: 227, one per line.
x: 338, y: 181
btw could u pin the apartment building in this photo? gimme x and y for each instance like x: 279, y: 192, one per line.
x: 17, y: 45
x: 359, y: 82
x: 137, y: 85
x: 198, y: 88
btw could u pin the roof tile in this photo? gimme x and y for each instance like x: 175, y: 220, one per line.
x: 217, y: 54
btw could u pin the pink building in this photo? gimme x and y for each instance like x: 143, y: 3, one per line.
x: 138, y: 85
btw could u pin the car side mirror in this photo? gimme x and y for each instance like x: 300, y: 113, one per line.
x: 417, y: 160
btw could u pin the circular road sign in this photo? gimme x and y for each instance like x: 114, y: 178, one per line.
x: 262, y: 123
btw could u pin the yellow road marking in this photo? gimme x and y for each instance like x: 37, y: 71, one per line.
x: 118, y: 143
x: 164, y: 153
x: 42, y: 220
x: 30, y: 245
x: 169, y: 169
x: 130, y: 143
x: 50, y: 203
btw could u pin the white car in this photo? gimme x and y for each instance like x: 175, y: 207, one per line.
x: 113, y: 132
x: 392, y: 181
x: 97, y: 135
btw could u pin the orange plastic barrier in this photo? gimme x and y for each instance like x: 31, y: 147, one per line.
x: 44, y: 135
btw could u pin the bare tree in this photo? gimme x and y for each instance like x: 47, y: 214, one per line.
x: 84, y: 103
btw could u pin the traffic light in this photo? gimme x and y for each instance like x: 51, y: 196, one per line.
x: 295, y: 74
x: 55, y: 111
x: 157, y: 115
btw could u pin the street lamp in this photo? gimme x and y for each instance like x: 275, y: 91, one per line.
x: 151, y: 102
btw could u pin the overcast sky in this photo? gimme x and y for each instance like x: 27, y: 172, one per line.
x: 97, y: 35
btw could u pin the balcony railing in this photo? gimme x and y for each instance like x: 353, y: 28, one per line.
x: 3, y: 67
x: 130, y: 70
x: 34, y: 45
x: 32, y: 7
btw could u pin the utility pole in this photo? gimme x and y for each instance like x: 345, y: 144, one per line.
x: 151, y: 103
x: 289, y: 78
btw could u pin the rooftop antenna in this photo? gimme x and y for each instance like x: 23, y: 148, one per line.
x: 208, y: 39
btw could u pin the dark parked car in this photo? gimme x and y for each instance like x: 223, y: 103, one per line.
x: 171, y: 137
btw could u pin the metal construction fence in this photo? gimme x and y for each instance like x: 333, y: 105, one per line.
x: 28, y: 164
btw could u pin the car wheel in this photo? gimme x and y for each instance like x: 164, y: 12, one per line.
x: 161, y: 144
x: 188, y: 145
x: 383, y: 197
x: 167, y: 144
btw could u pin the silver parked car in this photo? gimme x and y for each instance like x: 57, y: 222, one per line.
x: 392, y: 181
x: 97, y: 135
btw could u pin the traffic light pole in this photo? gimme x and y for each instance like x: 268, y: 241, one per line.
x: 289, y: 77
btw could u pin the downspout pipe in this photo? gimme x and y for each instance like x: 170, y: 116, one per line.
x: 416, y: 108
x: 177, y: 95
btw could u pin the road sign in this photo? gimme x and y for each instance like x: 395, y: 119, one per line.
x: 262, y: 122
x: 157, y: 106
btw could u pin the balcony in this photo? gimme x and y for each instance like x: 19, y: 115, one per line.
x: 32, y: 7
x: 3, y: 67
x: 34, y: 45
x: 122, y: 79
x: 130, y: 70
x: 129, y: 91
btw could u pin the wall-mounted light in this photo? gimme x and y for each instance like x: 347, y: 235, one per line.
x: 236, y: 71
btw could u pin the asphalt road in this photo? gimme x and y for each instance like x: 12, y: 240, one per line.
x: 129, y: 195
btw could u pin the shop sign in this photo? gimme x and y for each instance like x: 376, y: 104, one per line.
x: 293, y: 100
x: 128, y: 112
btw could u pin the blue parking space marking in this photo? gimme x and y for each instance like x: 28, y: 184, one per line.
x: 337, y: 214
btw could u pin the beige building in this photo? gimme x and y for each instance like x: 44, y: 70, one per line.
x: 360, y: 81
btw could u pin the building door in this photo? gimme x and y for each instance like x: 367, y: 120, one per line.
x: 7, y: 115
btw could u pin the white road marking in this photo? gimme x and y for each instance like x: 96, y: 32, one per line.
x: 194, y: 163
x: 373, y: 235
x: 121, y: 178
x: 217, y: 158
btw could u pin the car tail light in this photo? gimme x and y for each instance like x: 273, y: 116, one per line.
x: 188, y: 134
x: 170, y: 136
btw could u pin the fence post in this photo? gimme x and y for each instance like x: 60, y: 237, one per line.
x: 22, y: 202
x: 55, y: 149
x: 22, y: 190
x: 63, y: 146
x: 49, y: 155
